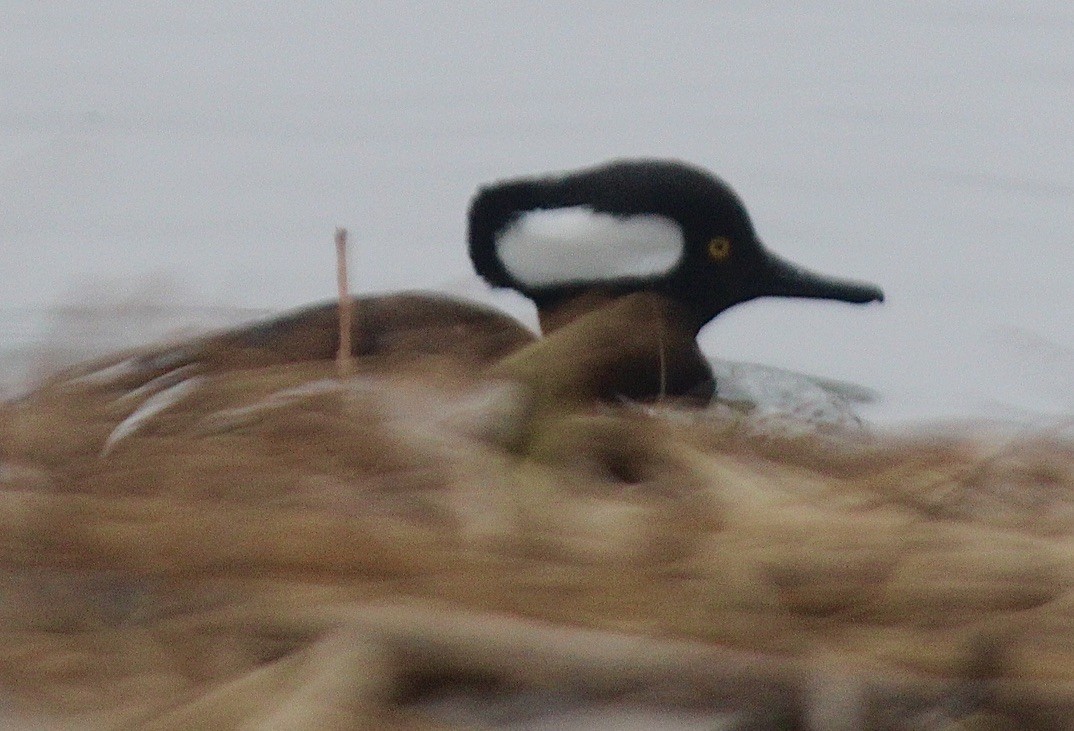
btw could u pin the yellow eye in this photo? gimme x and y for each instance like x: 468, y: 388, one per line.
x: 720, y: 248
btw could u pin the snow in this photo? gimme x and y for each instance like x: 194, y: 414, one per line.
x: 214, y: 146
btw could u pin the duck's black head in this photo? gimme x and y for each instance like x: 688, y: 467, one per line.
x: 634, y: 225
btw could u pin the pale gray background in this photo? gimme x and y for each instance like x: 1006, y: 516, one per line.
x: 203, y: 154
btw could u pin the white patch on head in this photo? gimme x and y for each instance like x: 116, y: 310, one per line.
x: 577, y: 245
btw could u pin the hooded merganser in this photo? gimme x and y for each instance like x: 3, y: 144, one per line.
x: 572, y: 242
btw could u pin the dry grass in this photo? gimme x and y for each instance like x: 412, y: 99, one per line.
x: 271, y: 547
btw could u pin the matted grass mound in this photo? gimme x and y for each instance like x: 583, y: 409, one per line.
x: 277, y: 548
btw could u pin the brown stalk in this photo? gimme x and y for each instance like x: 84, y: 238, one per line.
x: 344, y: 360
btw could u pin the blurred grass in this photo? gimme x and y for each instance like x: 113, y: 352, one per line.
x: 279, y: 548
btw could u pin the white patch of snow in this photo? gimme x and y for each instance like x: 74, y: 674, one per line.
x: 781, y: 393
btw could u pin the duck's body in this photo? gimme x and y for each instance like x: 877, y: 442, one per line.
x: 388, y: 332
x: 393, y: 327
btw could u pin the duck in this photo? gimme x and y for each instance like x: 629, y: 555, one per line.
x: 626, y: 262
x: 629, y: 237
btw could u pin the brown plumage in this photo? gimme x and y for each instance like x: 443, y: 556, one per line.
x: 388, y: 332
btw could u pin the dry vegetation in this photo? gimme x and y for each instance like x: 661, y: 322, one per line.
x: 421, y: 546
